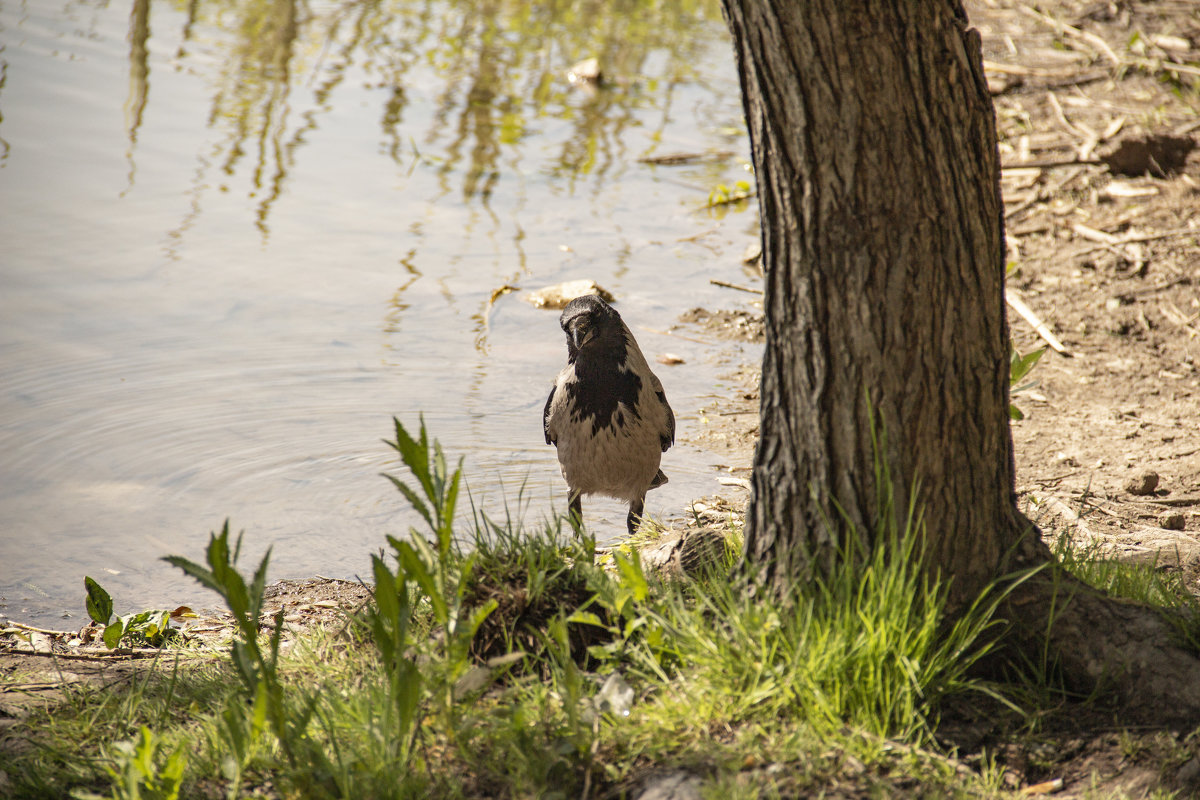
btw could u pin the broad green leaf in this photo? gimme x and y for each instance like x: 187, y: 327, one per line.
x: 415, y: 455
x: 112, y: 634
x: 407, y: 693
x: 385, y: 589
x: 99, y: 603
x: 1021, y: 365
x: 450, y: 500
x: 276, y: 638
x: 258, y: 719
x: 246, y: 668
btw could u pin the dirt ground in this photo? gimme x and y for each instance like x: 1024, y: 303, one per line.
x: 1098, y: 108
x: 1101, y: 185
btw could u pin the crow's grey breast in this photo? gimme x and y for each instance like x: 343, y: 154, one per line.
x: 607, y: 413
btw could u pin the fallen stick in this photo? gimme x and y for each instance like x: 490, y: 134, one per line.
x: 115, y: 656
x: 25, y: 627
x: 1027, y: 314
x: 1050, y: 191
x: 727, y: 285
x: 1151, y: 237
x: 1169, y: 501
x: 1050, y: 163
x: 1091, y: 234
x: 1074, y: 32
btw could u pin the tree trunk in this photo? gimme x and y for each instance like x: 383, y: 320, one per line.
x: 878, y: 177
x: 874, y: 143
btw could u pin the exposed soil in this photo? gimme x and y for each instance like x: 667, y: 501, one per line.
x: 1107, y: 256
x: 1098, y: 108
x: 1098, y: 130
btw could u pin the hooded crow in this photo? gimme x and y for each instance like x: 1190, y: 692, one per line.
x: 607, y: 414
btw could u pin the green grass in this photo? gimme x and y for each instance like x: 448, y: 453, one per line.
x: 499, y: 661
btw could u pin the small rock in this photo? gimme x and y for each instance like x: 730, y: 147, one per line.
x: 615, y: 695
x: 753, y: 253
x: 585, y: 71
x: 1176, y: 44
x: 1189, y: 772
x: 1175, y: 521
x: 1051, y: 786
x: 1144, y: 483
x: 559, y: 295
x: 1065, y: 459
x: 1000, y: 84
x: 677, y: 785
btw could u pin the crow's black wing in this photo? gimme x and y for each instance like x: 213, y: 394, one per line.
x: 546, y: 415
x: 669, y: 438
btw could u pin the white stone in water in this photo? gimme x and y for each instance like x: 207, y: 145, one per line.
x: 557, y: 296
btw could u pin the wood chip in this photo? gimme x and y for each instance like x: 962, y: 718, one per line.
x: 1094, y: 235
x: 1122, y: 190
x: 1045, y: 787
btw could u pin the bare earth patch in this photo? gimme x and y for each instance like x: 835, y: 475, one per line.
x: 1104, y: 245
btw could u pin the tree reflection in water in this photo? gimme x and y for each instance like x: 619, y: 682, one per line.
x: 491, y: 70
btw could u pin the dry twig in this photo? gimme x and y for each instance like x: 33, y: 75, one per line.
x: 728, y: 285
x: 25, y: 627
x: 1027, y: 314
x: 1074, y: 33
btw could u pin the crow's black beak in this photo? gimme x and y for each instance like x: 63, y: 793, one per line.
x: 581, y: 332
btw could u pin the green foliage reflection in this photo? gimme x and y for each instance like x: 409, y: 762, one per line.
x: 484, y: 73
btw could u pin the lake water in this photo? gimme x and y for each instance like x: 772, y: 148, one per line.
x: 236, y: 238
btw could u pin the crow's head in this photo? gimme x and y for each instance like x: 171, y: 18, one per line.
x: 592, y: 325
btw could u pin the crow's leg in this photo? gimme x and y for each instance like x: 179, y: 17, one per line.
x: 635, y: 514
x: 575, y: 505
x: 575, y: 516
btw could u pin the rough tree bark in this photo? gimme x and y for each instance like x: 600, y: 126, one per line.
x: 874, y: 142
x: 876, y: 154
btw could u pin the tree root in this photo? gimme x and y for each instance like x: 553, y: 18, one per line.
x: 1104, y: 646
